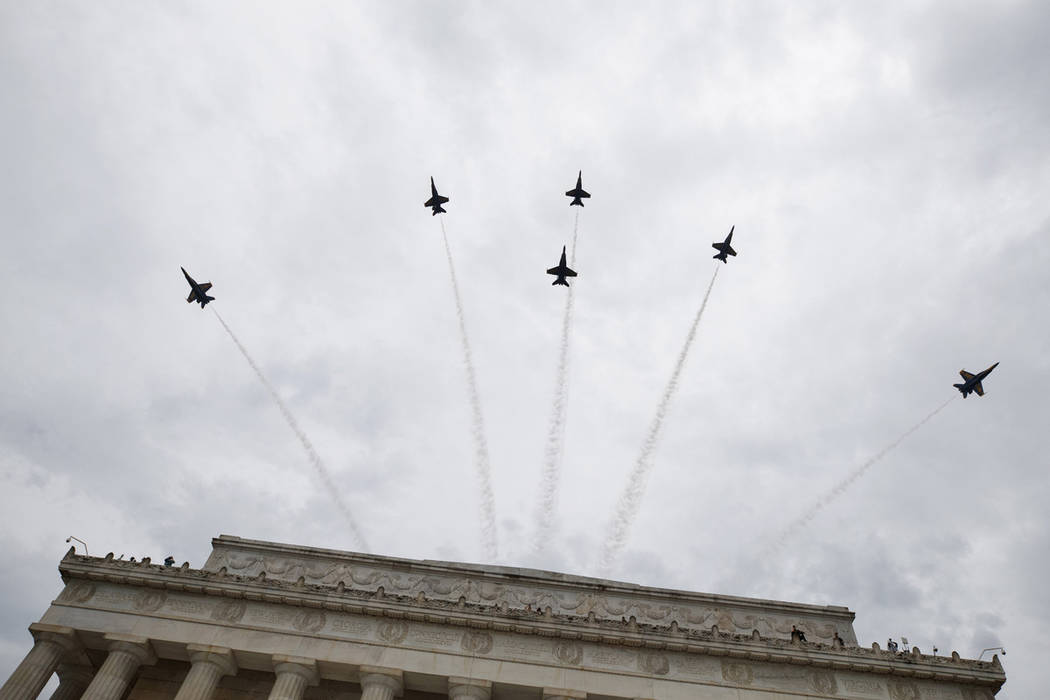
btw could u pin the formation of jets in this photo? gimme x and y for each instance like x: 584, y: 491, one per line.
x: 971, y: 383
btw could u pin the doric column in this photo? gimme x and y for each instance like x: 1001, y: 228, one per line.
x: 73, y: 680
x: 563, y: 694
x: 381, y: 683
x: 209, y: 665
x: 30, y: 677
x: 126, y: 654
x: 469, y: 689
x: 294, y: 673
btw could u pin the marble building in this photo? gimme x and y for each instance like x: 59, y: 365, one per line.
x: 266, y: 620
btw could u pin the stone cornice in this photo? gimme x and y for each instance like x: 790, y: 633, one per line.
x: 625, y: 633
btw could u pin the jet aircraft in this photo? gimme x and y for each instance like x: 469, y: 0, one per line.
x: 972, y: 382
x: 724, y: 249
x: 577, y: 192
x: 561, y: 271
x: 197, y: 291
x: 435, y: 200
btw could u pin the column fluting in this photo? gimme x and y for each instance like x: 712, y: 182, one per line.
x: 51, y: 642
x: 381, y: 683
x: 73, y: 680
x: 469, y: 689
x: 126, y: 655
x: 209, y: 665
x: 293, y: 673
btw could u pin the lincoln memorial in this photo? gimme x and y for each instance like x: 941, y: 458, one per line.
x: 266, y: 620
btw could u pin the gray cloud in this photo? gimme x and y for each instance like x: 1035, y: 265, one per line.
x: 885, y: 170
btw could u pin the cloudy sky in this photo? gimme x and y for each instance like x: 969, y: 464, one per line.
x: 886, y: 170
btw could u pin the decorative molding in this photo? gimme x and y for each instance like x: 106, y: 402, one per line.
x: 555, y: 599
x: 494, y: 630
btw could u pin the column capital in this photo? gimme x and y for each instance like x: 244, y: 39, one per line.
x: 208, y: 654
x: 66, y: 637
x: 298, y: 665
x: 391, y: 678
x: 138, y: 647
x: 563, y: 694
x: 469, y: 688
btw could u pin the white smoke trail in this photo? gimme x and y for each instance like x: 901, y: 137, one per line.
x: 481, y: 449
x: 840, y: 488
x: 631, y: 498
x: 315, y: 459
x: 555, y: 445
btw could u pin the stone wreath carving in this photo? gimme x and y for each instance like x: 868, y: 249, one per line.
x: 229, y: 611
x: 309, y: 621
x: 149, y: 601
x: 79, y: 592
x: 737, y: 672
x: 824, y: 682
x: 476, y: 642
x: 655, y: 664
x: 570, y: 653
x: 393, y: 632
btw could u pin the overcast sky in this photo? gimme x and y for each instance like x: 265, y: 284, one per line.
x: 886, y: 168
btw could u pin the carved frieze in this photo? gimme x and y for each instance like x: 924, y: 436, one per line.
x: 463, y: 590
x: 77, y: 592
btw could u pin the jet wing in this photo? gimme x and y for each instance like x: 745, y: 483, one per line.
x: 192, y: 297
x: 206, y: 286
x: 978, y: 389
x: 965, y: 375
x: 553, y: 271
x: 569, y: 273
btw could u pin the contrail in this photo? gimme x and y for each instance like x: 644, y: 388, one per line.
x: 481, y: 448
x: 831, y: 496
x: 315, y: 459
x: 555, y: 445
x: 631, y: 498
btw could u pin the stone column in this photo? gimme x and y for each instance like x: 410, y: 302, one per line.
x: 563, y: 694
x: 30, y: 677
x: 294, y: 673
x: 209, y: 665
x: 469, y: 689
x: 126, y: 654
x: 73, y: 680
x: 381, y: 683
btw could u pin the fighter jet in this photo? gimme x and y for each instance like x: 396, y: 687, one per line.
x: 435, y: 200
x: 561, y: 271
x: 577, y: 192
x: 724, y: 249
x: 972, y: 382
x: 197, y: 292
